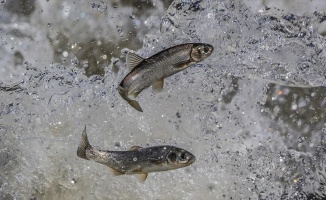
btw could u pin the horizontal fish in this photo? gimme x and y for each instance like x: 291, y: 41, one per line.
x: 153, y: 70
x: 136, y: 160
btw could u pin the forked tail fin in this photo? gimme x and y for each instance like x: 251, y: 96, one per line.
x: 83, y: 145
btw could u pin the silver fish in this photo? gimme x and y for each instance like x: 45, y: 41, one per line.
x: 136, y: 160
x: 153, y: 70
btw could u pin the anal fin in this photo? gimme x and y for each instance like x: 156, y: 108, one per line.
x: 142, y: 177
x: 158, y: 85
x: 134, y: 148
x: 115, y: 172
x: 135, y: 94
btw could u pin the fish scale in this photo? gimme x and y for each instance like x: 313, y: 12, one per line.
x: 153, y: 70
x: 136, y: 160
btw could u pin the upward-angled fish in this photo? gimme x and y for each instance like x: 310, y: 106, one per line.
x: 153, y: 70
x: 137, y: 160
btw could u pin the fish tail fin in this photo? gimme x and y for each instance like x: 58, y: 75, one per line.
x: 83, y: 145
x: 131, y: 102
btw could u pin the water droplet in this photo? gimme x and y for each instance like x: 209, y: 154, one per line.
x: 85, y: 64
x: 301, y: 139
x: 137, y: 22
x: 49, y: 24
x: 134, y: 159
x: 132, y: 16
x: 74, y: 61
x: 65, y: 54
x: 99, y: 6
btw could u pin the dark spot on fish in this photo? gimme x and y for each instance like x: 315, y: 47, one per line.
x: 178, y: 115
x: 172, y: 157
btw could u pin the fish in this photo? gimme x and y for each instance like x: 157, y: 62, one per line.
x: 137, y: 160
x: 153, y: 70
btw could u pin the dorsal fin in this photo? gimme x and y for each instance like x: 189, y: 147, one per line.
x: 134, y: 148
x: 132, y: 60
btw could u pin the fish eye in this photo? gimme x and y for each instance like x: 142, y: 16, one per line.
x: 206, y: 49
x: 172, y: 157
x: 183, y: 156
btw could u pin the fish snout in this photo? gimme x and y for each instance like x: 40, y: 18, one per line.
x: 201, y: 51
x: 192, y: 159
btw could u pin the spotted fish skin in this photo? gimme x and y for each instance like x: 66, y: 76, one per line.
x: 153, y: 70
x: 137, y: 160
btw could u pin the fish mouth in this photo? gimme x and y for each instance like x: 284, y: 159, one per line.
x: 192, y: 160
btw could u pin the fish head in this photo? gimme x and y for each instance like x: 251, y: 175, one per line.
x: 201, y: 51
x: 177, y: 158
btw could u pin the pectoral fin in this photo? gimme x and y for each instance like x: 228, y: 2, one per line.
x: 131, y: 102
x: 134, y: 148
x: 183, y: 65
x: 142, y: 177
x: 158, y: 85
x: 115, y: 172
x: 132, y: 60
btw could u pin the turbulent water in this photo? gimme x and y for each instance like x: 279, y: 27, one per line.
x: 253, y: 114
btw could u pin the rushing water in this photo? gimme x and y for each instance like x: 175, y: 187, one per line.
x: 253, y: 114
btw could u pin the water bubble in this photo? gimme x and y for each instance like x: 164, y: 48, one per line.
x: 210, y: 15
x: 134, y: 159
x: 132, y: 16
x: 301, y: 139
x: 74, y: 61
x: 49, y: 24
x: 137, y: 22
x: 65, y: 54
x: 85, y: 64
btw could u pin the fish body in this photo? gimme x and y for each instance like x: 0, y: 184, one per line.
x: 137, y: 160
x: 153, y: 70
